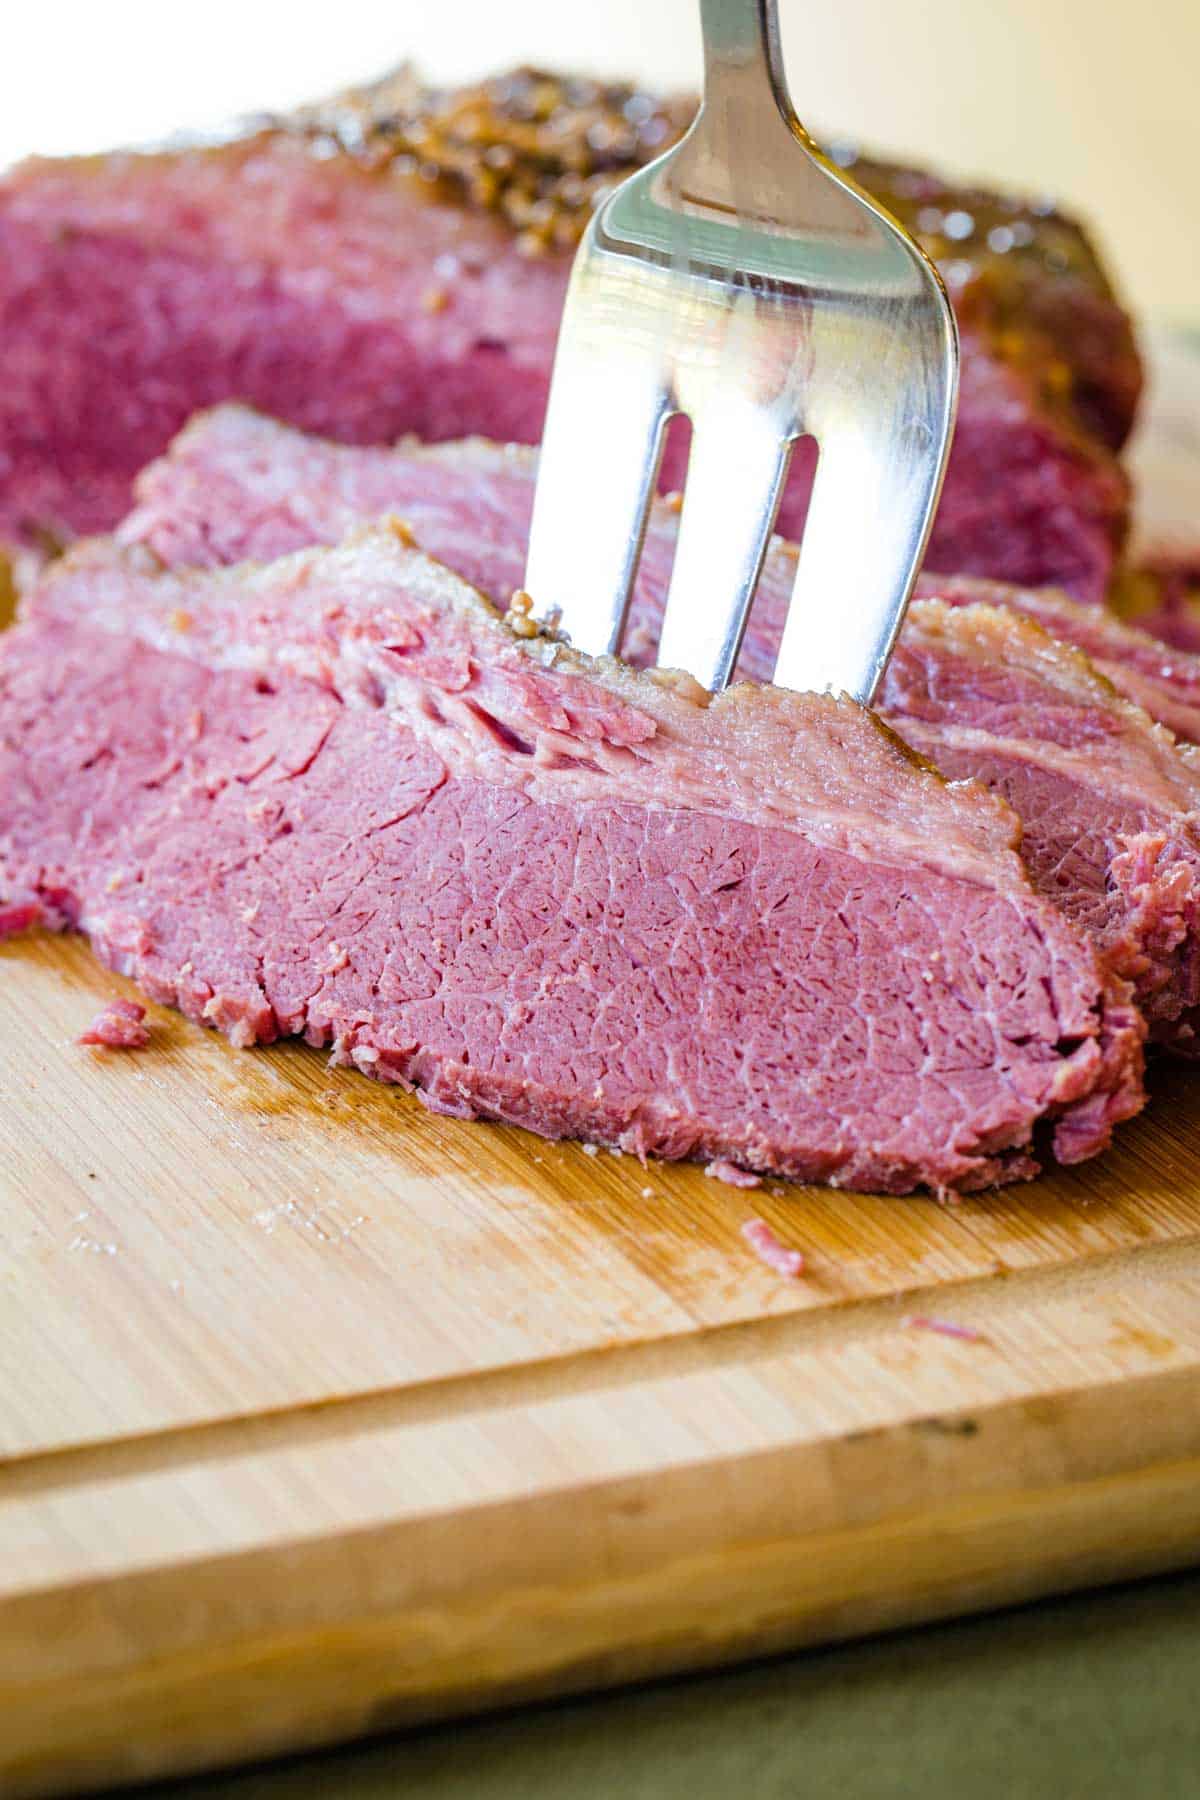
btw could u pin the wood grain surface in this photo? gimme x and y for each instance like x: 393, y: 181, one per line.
x: 319, y: 1414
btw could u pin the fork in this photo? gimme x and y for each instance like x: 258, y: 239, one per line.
x: 743, y: 280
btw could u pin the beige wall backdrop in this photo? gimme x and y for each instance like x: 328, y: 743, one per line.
x: 1093, y: 100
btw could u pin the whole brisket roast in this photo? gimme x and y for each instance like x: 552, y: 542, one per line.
x: 340, y: 797
x: 1107, y: 798
x: 395, y: 261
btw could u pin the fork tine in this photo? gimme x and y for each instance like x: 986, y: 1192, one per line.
x: 601, y: 449
x: 876, y: 486
x: 735, y: 473
x: 745, y: 281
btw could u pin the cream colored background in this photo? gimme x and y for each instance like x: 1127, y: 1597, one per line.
x: 1092, y: 99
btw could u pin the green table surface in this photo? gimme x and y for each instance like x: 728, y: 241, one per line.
x: 1093, y: 1696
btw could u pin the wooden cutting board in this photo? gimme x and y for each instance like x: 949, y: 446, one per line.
x: 319, y: 1414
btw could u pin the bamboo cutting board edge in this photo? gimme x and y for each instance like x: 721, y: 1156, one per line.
x: 395, y: 1620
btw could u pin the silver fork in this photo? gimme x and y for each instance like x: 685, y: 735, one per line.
x: 742, y: 279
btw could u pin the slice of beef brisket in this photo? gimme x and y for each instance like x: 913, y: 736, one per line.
x: 1107, y: 799
x: 396, y: 262
x: 1161, y: 678
x: 340, y: 797
x: 234, y: 484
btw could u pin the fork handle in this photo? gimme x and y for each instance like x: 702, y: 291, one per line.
x: 743, y: 62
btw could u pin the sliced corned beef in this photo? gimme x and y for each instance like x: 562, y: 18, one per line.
x: 339, y: 797
x: 1161, y: 678
x: 1107, y: 799
x: 236, y: 485
x: 396, y: 262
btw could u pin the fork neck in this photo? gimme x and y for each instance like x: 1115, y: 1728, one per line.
x: 743, y: 66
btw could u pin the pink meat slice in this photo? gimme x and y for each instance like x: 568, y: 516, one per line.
x: 1163, y: 679
x: 1108, y: 800
x: 237, y: 485
x: 339, y: 797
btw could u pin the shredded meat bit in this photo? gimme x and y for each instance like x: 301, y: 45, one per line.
x: 722, y: 1170
x: 18, y: 918
x: 118, y: 1026
x: 946, y: 1328
x: 767, y: 1247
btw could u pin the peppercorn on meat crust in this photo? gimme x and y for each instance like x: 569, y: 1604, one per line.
x: 339, y: 797
x: 395, y: 261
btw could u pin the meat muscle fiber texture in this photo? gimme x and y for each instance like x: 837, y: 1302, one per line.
x: 1107, y: 799
x: 339, y: 797
x: 396, y: 261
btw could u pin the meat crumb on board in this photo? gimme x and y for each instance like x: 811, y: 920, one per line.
x: 721, y: 1170
x: 767, y: 1247
x: 118, y: 1026
x: 17, y: 918
x: 945, y: 1328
